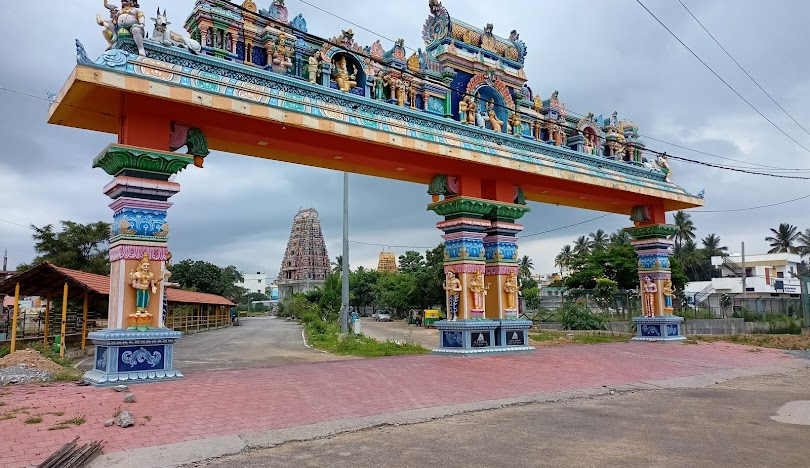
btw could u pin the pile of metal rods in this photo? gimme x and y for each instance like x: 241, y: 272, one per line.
x: 72, y: 455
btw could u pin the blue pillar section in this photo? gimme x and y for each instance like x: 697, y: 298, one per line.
x: 125, y: 357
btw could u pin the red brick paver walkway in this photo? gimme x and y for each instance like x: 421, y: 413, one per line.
x: 217, y: 403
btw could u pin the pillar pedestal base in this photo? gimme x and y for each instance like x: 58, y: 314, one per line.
x: 661, y: 328
x: 127, y: 357
x: 482, y: 337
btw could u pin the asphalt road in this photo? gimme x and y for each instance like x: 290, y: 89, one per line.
x: 726, y: 425
x: 258, y: 342
x: 428, y: 338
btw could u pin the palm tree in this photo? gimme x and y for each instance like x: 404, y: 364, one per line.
x: 784, y: 238
x: 691, y: 257
x: 620, y: 237
x: 525, y: 267
x: 563, y: 259
x: 598, y: 241
x: 337, y: 265
x: 582, y: 246
x: 712, y: 248
x: 804, y: 242
x: 686, y: 228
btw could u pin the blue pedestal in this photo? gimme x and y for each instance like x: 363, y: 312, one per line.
x: 126, y: 357
x: 663, y: 328
x: 479, y: 337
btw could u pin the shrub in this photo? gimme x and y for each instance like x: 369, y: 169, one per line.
x: 4, y: 350
x: 779, y: 328
x: 579, y: 317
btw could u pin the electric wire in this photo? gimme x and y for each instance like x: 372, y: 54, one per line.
x: 741, y: 67
x: 720, y: 78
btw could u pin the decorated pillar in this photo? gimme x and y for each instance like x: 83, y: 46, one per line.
x: 135, y: 346
x: 652, y: 241
x: 480, y: 256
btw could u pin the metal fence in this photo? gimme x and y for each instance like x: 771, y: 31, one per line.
x: 735, y: 305
x: 624, y: 304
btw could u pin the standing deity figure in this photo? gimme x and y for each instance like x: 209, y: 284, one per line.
x: 594, y: 145
x: 281, y: 54
x: 145, y: 283
x: 496, y: 123
x: 463, y: 106
x: 379, y: 85
x: 344, y: 79
x: 514, y: 121
x: 130, y: 19
x: 668, y: 292
x: 472, y: 110
x: 110, y: 26
x: 557, y: 134
x: 453, y: 287
x: 412, y: 94
x: 587, y: 144
x: 478, y: 290
x: 662, y: 162
x: 614, y: 120
x: 649, y: 290
x: 511, y: 288
x: 401, y: 91
x: 312, y: 68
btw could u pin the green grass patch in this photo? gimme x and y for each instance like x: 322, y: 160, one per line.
x: 6, y: 416
x: 68, y: 375
x: 33, y: 420
x: 542, y: 336
x: 67, y: 423
x: 563, y: 337
x: 324, y: 336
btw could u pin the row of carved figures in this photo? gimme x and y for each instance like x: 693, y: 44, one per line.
x: 477, y: 291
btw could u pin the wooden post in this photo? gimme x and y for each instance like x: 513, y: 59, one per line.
x: 14, y: 318
x: 84, y: 321
x: 47, y: 318
x: 64, y: 321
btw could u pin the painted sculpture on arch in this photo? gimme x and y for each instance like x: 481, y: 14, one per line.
x: 167, y: 37
x: 463, y: 107
x: 478, y: 289
x: 650, y: 290
x: 340, y: 72
x: 511, y: 288
x: 145, y: 283
x: 663, y: 164
x: 312, y: 68
x: 453, y: 287
x: 668, y: 291
x: 379, y: 85
x: 110, y: 26
x: 281, y: 55
x: 130, y: 20
x: 472, y: 110
x: 494, y: 121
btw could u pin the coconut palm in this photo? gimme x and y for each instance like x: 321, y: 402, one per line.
x: 582, y: 246
x: 784, y: 239
x: 804, y: 242
x: 620, y: 237
x: 686, y: 228
x: 598, y: 241
x: 712, y: 247
x: 525, y: 267
x: 337, y: 265
x: 691, y: 257
x: 563, y: 259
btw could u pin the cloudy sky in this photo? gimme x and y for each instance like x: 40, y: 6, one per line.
x: 601, y: 56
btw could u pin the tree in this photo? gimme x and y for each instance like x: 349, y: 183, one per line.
x: 604, y: 294
x: 361, y: 287
x: 582, y: 246
x: 337, y: 265
x: 712, y: 247
x: 208, y: 278
x: 395, y: 291
x: 430, y: 280
x: 617, y: 263
x: 532, y: 296
x: 686, y: 228
x: 563, y: 259
x: 525, y: 267
x: 804, y: 242
x: 598, y: 241
x: 411, y: 262
x: 330, y: 301
x: 784, y: 239
x: 77, y: 246
x: 620, y: 237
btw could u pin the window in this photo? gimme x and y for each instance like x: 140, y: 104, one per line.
x: 260, y: 281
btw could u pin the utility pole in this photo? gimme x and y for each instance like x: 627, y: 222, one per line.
x: 344, y: 309
x: 744, y: 271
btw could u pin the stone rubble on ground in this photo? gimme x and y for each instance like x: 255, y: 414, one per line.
x: 125, y: 419
x: 121, y: 388
x: 32, y: 359
x: 22, y: 375
x: 129, y: 398
x: 109, y: 422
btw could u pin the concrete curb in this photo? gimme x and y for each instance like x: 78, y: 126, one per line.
x: 179, y: 454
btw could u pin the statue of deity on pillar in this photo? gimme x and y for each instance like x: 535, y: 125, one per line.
x: 479, y: 291
x: 649, y: 291
x: 510, y: 289
x: 453, y: 287
x: 145, y: 283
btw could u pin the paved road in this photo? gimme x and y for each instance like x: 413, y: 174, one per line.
x: 727, y: 425
x: 399, y: 330
x: 258, y: 342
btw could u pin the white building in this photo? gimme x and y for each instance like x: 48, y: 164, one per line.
x: 768, y: 277
x: 258, y: 283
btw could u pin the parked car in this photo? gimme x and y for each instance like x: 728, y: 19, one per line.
x: 383, y: 316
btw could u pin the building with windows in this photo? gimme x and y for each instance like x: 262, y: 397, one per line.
x: 258, y: 283
x: 772, y: 284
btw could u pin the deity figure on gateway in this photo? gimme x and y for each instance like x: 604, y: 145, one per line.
x: 130, y: 20
x: 340, y: 72
x: 145, y: 283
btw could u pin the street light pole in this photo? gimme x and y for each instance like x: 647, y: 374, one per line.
x: 344, y: 309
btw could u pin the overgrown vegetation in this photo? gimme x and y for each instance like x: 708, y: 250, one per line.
x: 575, y: 316
x: 556, y: 338
x: 4, y: 350
x: 67, y: 423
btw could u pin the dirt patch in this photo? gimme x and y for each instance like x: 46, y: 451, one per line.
x: 791, y: 342
x: 31, y: 359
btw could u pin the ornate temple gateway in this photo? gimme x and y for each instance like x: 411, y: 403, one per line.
x: 459, y: 117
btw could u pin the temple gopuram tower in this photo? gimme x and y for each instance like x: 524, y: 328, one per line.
x: 387, y: 263
x: 306, y: 262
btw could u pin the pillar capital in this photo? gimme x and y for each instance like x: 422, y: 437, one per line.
x: 478, y: 208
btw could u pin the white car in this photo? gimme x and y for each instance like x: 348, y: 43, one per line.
x: 383, y: 317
